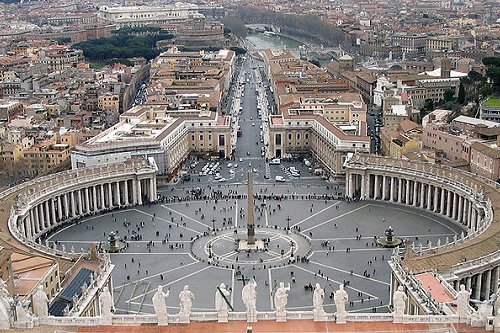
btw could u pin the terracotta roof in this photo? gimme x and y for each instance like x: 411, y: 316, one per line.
x: 486, y: 149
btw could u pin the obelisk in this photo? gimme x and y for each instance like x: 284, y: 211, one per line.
x: 250, y: 207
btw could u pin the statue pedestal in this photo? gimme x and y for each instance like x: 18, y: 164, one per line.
x: 463, y: 320
x: 341, y: 318
x: 320, y: 315
x: 162, y: 320
x: 222, y: 317
x: 4, y: 324
x: 251, y: 317
x: 106, y: 320
x: 184, y: 318
x: 281, y: 317
x: 496, y: 324
x: 397, y: 319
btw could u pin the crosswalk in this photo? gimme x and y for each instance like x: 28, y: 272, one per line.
x: 268, y: 171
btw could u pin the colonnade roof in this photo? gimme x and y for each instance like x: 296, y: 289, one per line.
x: 443, y: 259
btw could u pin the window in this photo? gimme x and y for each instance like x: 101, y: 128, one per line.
x: 277, y: 139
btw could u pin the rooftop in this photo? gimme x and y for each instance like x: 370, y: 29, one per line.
x: 492, y: 101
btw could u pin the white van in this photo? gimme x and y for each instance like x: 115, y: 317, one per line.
x: 280, y: 179
x: 275, y: 161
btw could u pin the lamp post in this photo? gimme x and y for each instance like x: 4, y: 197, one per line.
x: 288, y: 222
x: 213, y: 224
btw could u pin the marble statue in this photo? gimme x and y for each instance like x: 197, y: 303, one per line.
x: 399, y: 300
x: 106, y: 303
x: 5, y: 309
x: 249, y: 297
x: 221, y: 299
x: 221, y: 295
x: 160, y: 306
x: 462, y: 299
x: 341, y: 298
x: 40, y: 303
x: 281, y: 298
x: 186, y: 297
x: 318, y: 298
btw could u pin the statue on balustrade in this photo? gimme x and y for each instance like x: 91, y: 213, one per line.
x: 5, y: 306
x: 221, y: 296
x: 160, y: 305
x: 341, y: 298
x: 318, y: 299
x: 462, y: 298
x: 249, y: 297
x: 40, y: 303
x: 106, y: 303
x: 186, y: 297
x: 281, y: 298
x: 399, y: 300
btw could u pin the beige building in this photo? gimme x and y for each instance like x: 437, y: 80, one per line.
x: 485, y: 160
x: 166, y: 136
x: 400, y: 139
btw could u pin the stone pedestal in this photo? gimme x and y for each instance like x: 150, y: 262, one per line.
x: 106, y: 320
x: 281, y: 316
x: 320, y: 315
x: 162, y: 320
x: 398, y: 319
x: 4, y: 324
x: 251, y: 317
x: 222, y: 317
x: 184, y: 318
x: 341, y: 318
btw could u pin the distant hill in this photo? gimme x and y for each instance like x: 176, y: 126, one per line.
x: 9, y: 1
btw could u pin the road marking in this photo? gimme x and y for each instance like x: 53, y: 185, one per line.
x: 184, y: 215
x: 337, y: 282
x: 167, y: 221
x: 311, y: 216
x: 349, y: 273
x: 335, y: 218
x: 172, y: 282
x: 158, y: 274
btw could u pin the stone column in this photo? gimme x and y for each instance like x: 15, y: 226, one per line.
x: 125, y: 192
x: 384, y: 187
x: 153, y: 189
x: 349, y: 186
x: 139, y: 192
x: 400, y: 190
x: 110, y: 195
x: 73, y: 204
x: 415, y: 193
x: 477, y: 287
x: 469, y: 214
x: 80, y: 202
x: 101, y: 194
x: 487, y: 284
x: 473, y: 224
x: 48, y: 218
x: 393, y: 185
x: 59, y: 208
x: 53, y: 212
x: 468, y: 283
x: 436, y: 199
x: 34, y: 210
x: 376, y: 188
x: 66, y: 206
x: 33, y: 223
x: 449, y: 204
x: 95, y: 206
x: 460, y: 212
x: 441, y: 209
x: 422, y: 195
x: 429, y: 196
x: 118, y: 195
x: 407, y: 194
x: 363, y: 185
x: 496, y: 277
x: 455, y: 206
x: 87, y: 200
x: 134, y: 191
x: 41, y: 218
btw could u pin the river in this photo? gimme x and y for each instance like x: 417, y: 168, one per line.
x: 261, y: 41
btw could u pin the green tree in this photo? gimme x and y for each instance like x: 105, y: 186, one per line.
x: 448, y: 95
x: 461, y: 94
